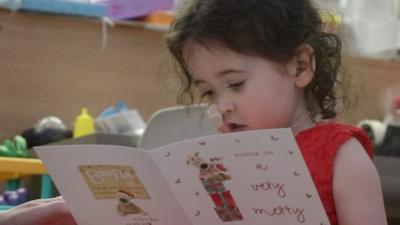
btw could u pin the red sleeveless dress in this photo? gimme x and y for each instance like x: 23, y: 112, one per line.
x: 319, y: 146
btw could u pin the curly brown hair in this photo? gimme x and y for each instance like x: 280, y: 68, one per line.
x: 272, y: 29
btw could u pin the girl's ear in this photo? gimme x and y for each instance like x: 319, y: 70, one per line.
x: 303, y: 65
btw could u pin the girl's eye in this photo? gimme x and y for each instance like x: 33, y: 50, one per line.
x: 207, y: 94
x: 236, y: 86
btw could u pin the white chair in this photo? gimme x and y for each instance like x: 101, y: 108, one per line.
x: 175, y: 124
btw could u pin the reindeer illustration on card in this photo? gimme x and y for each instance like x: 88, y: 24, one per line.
x: 212, y: 174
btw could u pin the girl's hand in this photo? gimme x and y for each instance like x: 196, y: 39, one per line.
x: 51, y: 211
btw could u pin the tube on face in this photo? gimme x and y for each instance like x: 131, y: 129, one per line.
x: 215, y: 116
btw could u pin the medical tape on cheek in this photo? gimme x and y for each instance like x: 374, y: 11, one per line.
x: 215, y: 116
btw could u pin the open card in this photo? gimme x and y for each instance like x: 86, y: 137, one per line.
x: 255, y: 177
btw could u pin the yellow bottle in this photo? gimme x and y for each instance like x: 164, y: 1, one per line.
x: 84, y: 124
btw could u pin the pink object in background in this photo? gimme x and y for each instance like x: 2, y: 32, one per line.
x: 396, y: 108
x: 396, y: 102
x: 124, y: 9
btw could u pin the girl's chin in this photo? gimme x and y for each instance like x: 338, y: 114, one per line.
x: 241, y: 129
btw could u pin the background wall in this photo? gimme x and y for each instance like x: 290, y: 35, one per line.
x: 53, y: 65
x: 369, y: 81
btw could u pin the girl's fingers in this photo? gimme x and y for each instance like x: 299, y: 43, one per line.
x: 39, y: 202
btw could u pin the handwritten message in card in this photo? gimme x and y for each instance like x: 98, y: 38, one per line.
x: 251, y: 176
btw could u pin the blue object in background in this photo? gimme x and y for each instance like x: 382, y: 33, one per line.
x: 122, y: 106
x: 65, y: 7
x: 112, y: 110
x: 14, y: 197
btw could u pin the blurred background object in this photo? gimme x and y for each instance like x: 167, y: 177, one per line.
x: 370, y: 28
x: 47, y: 130
x: 84, y: 124
x: 113, y: 9
x: 385, y: 134
x: 119, y: 119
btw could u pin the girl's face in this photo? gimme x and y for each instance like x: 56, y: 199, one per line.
x: 248, y: 91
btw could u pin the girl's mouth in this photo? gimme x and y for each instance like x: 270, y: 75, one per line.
x: 234, y: 127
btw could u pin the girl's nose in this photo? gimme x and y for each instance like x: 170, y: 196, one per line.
x: 225, y: 105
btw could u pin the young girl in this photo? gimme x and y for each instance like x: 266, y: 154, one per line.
x: 269, y: 64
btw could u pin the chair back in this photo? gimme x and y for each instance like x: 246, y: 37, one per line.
x: 175, y: 124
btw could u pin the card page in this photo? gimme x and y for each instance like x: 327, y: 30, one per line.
x: 255, y: 177
x: 104, y: 184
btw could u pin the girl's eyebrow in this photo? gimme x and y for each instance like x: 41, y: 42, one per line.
x: 221, y: 74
